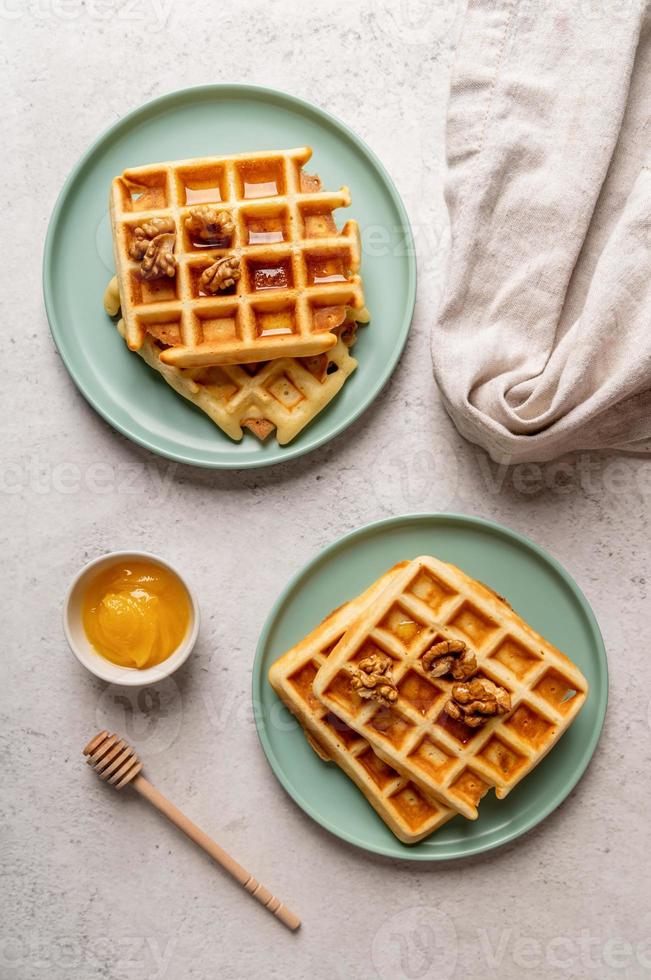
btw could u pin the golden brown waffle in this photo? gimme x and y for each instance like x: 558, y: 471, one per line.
x: 431, y: 601
x: 297, y: 271
x: 409, y: 813
x: 285, y: 394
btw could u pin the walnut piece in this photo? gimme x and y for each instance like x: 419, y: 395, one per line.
x: 159, y: 259
x: 259, y: 427
x: 219, y: 276
x: 476, y: 701
x: 373, y: 680
x: 209, y: 225
x: 450, y: 657
x: 145, y: 233
x: 310, y: 183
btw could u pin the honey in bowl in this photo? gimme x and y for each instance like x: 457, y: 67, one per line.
x: 136, y: 614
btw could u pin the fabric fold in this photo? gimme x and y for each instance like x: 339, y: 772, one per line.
x: 543, y: 340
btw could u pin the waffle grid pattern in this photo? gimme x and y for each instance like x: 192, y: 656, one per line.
x: 286, y: 392
x: 428, y: 601
x: 295, y: 264
x: 409, y: 813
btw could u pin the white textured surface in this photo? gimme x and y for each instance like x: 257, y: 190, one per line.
x: 97, y: 886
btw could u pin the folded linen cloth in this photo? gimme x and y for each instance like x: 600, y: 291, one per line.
x: 543, y: 341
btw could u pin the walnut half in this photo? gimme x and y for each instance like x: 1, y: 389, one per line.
x: 153, y: 246
x: 159, y: 259
x: 145, y: 233
x: 450, y: 657
x: 477, y: 701
x: 219, y: 276
x: 373, y: 680
x: 210, y: 226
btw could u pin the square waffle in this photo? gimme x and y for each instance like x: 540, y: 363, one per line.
x: 284, y: 394
x: 409, y: 813
x: 296, y: 270
x: 429, y: 601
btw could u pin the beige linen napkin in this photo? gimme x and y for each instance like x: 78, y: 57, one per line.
x: 543, y: 342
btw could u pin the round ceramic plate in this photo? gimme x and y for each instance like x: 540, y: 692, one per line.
x: 78, y: 263
x: 535, y: 585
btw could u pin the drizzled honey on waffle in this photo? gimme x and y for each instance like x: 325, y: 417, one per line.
x: 430, y: 602
x: 271, y: 282
x: 409, y: 812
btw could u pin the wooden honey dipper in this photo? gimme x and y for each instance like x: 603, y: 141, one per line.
x: 116, y: 763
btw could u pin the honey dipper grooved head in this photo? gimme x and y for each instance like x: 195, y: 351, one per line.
x: 112, y: 759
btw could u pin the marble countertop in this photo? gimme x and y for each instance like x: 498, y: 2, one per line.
x: 100, y: 887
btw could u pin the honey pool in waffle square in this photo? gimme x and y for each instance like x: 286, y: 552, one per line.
x: 427, y: 603
x: 238, y: 258
x: 407, y: 811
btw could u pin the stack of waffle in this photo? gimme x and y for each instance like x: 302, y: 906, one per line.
x: 428, y: 690
x: 235, y: 284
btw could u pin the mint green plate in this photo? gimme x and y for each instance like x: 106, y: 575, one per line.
x: 78, y: 263
x: 538, y: 588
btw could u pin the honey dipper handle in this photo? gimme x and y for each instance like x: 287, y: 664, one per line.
x: 218, y: 854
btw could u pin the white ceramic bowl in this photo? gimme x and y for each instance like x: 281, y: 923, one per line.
x: 88, y: 656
